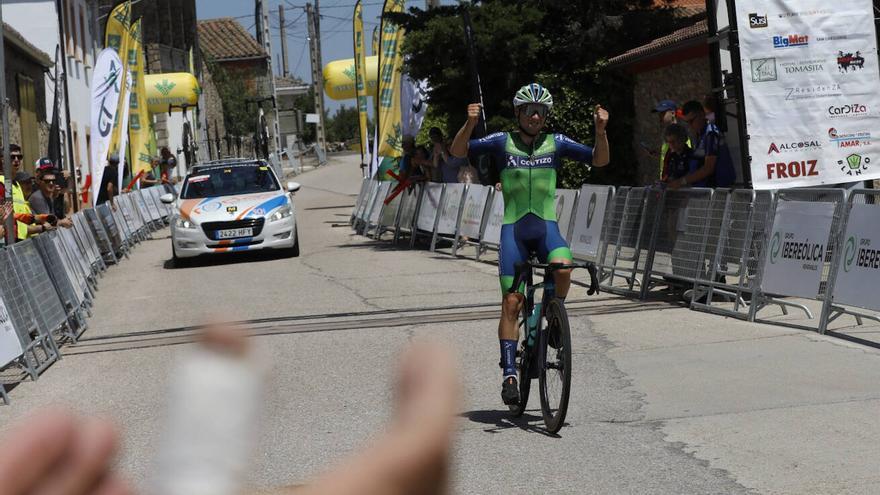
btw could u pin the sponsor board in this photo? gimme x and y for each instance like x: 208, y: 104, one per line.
x: 451, y: 206
x: 492, y: 234
x: 10, y: 345
x: 474, y: 207
x: 811, y: 69
x: 589, y: 220
x: 859, y: 268
x: 797, y: 249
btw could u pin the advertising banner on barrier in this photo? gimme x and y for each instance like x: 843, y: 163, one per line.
x: 589, y: 218
x: 430, y: 204
x: 474, y: 207
x: 859, y: 268
x: 379, y: 202
x: 451, y: 207
x: 410, y: 201
x: 798, y: 244
x: 810, y: 74
x: 389, y: 213
x: 368, y: 200
x: 10, y: 346
x: 495, y: 221
x: 565, y: 200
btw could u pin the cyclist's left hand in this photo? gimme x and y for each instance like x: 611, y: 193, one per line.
x: 600, y: 117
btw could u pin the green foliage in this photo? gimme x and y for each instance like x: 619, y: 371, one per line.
x: 559, y: 43
x: 306, y: 103
x: 343, y: 125
x: 238, y: 118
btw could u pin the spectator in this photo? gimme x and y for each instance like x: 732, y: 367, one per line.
x: 154, y: 176
x: 409, y: 148
x: 168, y: 165
x: 443, y: 161
x: 44, y: 193
x: 422, y: 165
x: 19, y: 200
x: 679, y: 160
x: 715, y: 164
x: 34, y: 223
x: 666, y: 113
x: 61, y: 206
x: 109, y: 187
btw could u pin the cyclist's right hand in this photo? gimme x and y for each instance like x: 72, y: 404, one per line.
x: 474, y: 112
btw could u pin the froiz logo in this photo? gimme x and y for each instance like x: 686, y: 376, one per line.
x: 849, y: 256
x: 757, y: 21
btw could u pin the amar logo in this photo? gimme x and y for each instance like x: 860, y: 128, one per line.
x: 849, y: 253
x: 775, y: 247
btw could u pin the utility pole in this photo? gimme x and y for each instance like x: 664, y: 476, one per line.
x: 317, y: 73
x: 284, y: 72
x: 264, y: 37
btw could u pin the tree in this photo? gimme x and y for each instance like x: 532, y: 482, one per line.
x: 343, y: 125
x: 560, y: 43
x: 237, y: 117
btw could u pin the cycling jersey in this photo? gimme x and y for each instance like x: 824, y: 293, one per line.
x: 528, y: 172
x: 528, y: 183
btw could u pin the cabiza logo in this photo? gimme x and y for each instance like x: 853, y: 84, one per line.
x: 849, y: 140
x: 854, y: 164
x: 792, y: 170
x: 791, y: 41
x: 757, y: 21
x: 789, y: 147
x: 849, y: 110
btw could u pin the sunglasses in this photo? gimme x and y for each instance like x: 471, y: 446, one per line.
x: 534, y: 108
x: 16, y: 157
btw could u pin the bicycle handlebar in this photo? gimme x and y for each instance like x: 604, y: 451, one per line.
x: 551, y: 267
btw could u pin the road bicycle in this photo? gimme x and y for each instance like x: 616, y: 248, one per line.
x: 545, y: 351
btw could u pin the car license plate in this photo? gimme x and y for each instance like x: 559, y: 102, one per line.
x: 233, y: 233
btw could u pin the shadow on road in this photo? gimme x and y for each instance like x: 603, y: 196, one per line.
x: 503, y: 420
x: 226, y: 259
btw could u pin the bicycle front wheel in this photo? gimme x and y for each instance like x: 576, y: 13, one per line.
x: 555, y: 378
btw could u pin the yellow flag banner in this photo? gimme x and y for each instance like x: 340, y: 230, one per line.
x: 118, y: 37
x: 390, y: 62
x: 139, y: 116
x: 360, y: 69
x: 375, y: 46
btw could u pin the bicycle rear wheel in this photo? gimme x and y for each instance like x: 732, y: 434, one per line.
x: 555, y: 378
x: 523, y: 358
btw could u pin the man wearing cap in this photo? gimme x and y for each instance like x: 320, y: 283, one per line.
x: 665, y: 110
x: 41, y: 199
x: 19, y: 200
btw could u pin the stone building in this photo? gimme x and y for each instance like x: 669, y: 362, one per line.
x: 25, y: 69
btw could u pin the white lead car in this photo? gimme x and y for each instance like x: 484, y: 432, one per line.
x: 232, y: 206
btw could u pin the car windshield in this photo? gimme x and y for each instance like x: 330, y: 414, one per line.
x: 229, y: 181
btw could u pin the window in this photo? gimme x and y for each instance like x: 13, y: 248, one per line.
x: 27, y: 112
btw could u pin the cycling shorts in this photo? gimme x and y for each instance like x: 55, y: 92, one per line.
x: 529, y: 235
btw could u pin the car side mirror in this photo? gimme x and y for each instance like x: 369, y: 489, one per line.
x: 293, y: 186
x: 167, y: 198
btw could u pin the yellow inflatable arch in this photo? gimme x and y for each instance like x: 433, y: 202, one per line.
x: 339, y: 78
x: 180, y: 88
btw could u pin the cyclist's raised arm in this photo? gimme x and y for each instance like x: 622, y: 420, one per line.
x: 460, y: 143
x: 602, y: 152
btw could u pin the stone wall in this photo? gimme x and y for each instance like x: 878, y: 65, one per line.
x: 688, y: 80
x: 212, y: 115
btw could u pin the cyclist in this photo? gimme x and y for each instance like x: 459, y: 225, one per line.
x: 529, y: 160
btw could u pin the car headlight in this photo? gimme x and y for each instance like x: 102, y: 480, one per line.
x: 183, y: 223
x: 281, y: 213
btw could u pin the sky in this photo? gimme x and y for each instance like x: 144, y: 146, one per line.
x: 336, y: 29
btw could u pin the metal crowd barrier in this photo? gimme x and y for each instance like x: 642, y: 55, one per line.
x: 449, y: 216
x: 406, y: 217
x: 47, y: 283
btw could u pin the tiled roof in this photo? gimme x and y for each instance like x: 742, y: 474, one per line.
x: 690, y: 33
x: 684, y: 8
x: 226, y: 39
x: 17, y: 40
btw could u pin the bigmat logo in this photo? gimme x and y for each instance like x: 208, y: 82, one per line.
x: 791, y: 41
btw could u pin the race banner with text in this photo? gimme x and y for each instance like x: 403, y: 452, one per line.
x: 106, y: 87
x: 797, y: 250
x: 810, y: 79
x: 139, y: 119
x: 118, y: 37
x: 859, y: 268
x: 390, y: 135
x: 360, y: 69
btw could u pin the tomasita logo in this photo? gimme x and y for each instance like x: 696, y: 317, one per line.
x: 757, y: 21
x: 854, y: 164
x: 803, y: 67
x: 850, y: 61
x: 850, y: 110
x: 789, y: 147
x: 858, y: 252
x: 849, y: 140
x: 791, y: 41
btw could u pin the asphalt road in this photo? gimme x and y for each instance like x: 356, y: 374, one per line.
x: 665, y: 400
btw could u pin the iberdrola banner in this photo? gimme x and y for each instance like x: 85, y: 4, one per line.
x: 360, y: 69
x: 139, y: 117
x: 118, y: 37
x: 390, y: 61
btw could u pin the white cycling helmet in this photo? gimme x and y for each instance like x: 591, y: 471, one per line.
x: 533, y: 93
